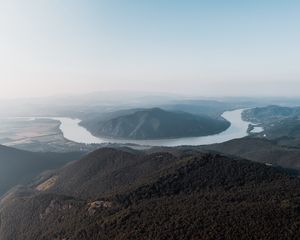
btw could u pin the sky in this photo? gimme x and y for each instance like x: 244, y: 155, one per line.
x: 203, y: 48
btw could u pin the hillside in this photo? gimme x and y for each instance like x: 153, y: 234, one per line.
x: 19, y: 167
x: 270, y: 113
x: 176, y: 194
x: 279, y: 123
x: 156, y: 123
x: 108, y: 170
x: 260, y: 150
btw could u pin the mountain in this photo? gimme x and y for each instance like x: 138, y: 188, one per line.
x: 260, y: 150
x: 156, y: 123
x: 270, y: 113
x: 173, y: 193
x: 19, y: 167
x: 280, y: 124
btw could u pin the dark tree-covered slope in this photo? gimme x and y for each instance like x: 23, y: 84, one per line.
x: 179, y: 194
x: 260, y: 150
x: 19, y: 167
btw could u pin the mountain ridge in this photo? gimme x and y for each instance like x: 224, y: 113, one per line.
x: 191, y: 195
x: 19, y: 166
x: 156, y: 123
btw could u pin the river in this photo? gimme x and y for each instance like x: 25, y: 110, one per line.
x: 238, y: 129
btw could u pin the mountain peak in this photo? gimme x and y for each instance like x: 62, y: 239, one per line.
x: 156, y: 123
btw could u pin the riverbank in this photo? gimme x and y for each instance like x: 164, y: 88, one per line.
x: 238, y: 129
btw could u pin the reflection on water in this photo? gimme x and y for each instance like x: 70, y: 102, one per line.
x: 238, y: 129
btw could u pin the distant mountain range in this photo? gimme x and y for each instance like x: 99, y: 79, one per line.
x: 188, y: 192
x: 172, y: 193
x: 155, y: 123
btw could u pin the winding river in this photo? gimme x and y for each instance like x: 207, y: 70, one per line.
x: 238, y: 129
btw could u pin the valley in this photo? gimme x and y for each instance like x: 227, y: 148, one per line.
x: 149, y: 120
x: 74, y: 185
x: 66, y: 134
x: 36, y: 134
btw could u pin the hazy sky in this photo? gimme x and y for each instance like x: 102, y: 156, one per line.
x: 212, y: 47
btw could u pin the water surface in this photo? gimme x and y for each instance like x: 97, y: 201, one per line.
x: 238, y: 129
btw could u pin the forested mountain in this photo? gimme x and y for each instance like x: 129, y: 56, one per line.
x: 168, y: 194
x: 156, y: 123
x: 279, y: 123
x: 19, y: 167
x: 270, y: 113
x: 260, y: 150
